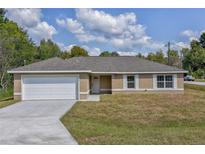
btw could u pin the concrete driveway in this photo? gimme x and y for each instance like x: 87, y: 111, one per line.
x: 195, y: 83
x: 35, y: 122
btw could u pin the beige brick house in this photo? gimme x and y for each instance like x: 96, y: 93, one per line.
x: 79, y: 77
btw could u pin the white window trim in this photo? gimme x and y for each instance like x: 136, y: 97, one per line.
x: 174, y: 82
x: 125, y: 82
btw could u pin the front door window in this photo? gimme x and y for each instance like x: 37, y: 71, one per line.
x: 95, y: 84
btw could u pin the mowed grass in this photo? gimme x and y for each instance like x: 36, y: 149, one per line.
x: 7, y: 103
x: 6, y: 98
x: 144, y: 118
x: 200, y: 80
x: 195, y: 87
x: 6, y: 94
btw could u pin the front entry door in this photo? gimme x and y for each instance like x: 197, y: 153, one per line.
x: 96, y: 84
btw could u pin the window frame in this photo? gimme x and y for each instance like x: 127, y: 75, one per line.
x: 136, y: 82
x: 164, y: 81
x: 128, y: 82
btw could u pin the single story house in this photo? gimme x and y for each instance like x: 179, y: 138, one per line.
x: 79, y: 77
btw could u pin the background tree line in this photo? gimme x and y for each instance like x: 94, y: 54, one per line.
x: 17, y: 49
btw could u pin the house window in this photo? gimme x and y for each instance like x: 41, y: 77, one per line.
x: 165, y: 81
x: 131, y: 81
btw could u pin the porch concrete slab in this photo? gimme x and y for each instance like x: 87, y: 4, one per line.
x: 93, y: 97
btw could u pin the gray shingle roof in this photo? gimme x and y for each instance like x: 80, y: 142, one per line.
x: 99, y: 64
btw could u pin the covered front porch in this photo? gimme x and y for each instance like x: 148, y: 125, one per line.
x: 100, y: 84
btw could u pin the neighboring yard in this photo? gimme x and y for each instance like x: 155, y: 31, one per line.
x: 140, y: 119
x: 6, y: 98
x: 200, y: 80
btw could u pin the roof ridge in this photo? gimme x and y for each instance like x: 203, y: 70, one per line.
x: 102, y: 56
x: 39, y: 62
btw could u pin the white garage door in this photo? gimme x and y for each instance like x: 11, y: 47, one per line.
x: 49, y: 87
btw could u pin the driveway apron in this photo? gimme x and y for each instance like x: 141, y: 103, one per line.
x: 35, y: 122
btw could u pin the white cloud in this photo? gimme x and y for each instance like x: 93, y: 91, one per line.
x: 64, y: 47
x: 121, y: 53
x: 25, y: 17
x: 121, y: 31
x: 191, y: 35
x: 77, y: 28
x: 42, y: 31
x: 61, y: 22
x: 103, y: 22
x: 72, y: 25
x: 180, y: 45
x: 30, y: 20
x: 93, y: 51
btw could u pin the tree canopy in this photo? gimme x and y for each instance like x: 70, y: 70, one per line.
x: 77, y: 51
x: 47, y: 49
x: 15, y: 48
x: 194, y: 58
x: 157, y: 57
x: 108, y: 54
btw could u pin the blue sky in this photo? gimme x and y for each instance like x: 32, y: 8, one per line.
x: 127, y: 31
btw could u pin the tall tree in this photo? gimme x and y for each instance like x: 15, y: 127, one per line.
x: 65, y: 55
x: 108, y: 54
x: 77, y: 51
x: 157, y: 57
x: 47, y: 49
x: 194, y: 59
x: 139, y: 55
x: 105, y: 54
x: 2, y: 15
x: 114, y: 54
x: 202, y: 40
x: 15, y: 48
x: 174, y: 59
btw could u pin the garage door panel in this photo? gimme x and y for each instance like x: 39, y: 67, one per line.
x: 46, y: 80
x: 49, y: 88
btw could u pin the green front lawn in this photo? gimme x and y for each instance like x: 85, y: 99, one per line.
x: 6, y: 94
x: 200, y: 80
x: 6, y: 98
x: 195, y: 87
x: 7, y: 103
x: 142, y: 118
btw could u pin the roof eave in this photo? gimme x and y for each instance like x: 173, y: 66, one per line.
x: 89, y: 71
x: 154, y: 72
x: 62, y: 71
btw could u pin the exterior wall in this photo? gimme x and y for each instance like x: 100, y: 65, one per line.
x: 117, y: 81
x: 105, y: 84
x: 17, y: 97
x: 17, y: 87
x: 83, y: 96
x: 145, y: 84
x: 180, y: 81
x: 84, y: 86
x: 148, y: 91
x: 145, y: 81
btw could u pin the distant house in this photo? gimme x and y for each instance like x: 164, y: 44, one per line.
x: 79, y: 77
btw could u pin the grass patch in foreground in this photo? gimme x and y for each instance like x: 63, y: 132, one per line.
x: 6, y: 98
x: 6, y: 94
x: 195, y: 87
x: 200, y: 80
x: 140, y: 119
x: 7, y: 103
